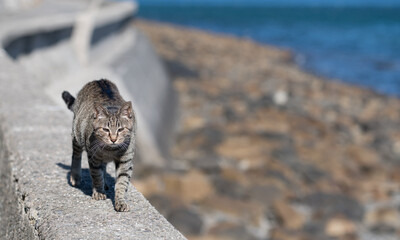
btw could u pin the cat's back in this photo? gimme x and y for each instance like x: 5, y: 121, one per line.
x: 102, y: 91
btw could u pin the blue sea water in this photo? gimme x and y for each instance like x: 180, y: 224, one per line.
x: 356, y: 43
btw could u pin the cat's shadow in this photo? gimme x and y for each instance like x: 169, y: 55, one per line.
x: 86, y: 184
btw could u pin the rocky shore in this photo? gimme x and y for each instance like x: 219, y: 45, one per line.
x: 267, y: 151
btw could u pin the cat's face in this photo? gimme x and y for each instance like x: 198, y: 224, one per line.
x: 113, y: 127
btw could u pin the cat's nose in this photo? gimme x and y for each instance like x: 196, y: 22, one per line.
x: 113, y: 140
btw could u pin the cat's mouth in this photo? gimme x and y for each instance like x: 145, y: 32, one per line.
x: 113, y: 146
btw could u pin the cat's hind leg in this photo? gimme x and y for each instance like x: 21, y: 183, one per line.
x: 75, y: 177
x: 104, y: 168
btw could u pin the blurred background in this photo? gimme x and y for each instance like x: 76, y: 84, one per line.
x: 289, y: 118
x: 257, y: 119
x: 360, y: 37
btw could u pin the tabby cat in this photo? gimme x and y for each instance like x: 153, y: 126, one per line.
x: 104, y: 126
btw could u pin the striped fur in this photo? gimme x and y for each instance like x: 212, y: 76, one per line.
x: 104, y: 126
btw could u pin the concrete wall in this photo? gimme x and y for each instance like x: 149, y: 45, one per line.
x: 13, y: 221
x: 36, y: 200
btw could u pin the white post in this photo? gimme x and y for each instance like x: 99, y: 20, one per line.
x: 83, y: 31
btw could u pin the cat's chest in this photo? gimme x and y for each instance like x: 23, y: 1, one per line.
x: 107, y: 156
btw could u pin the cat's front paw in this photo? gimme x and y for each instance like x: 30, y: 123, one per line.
x: 121, y: 207
x: 99, y: 196
x: 75, y: 181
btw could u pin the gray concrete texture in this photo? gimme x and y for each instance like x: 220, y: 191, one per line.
x: 36, y: 200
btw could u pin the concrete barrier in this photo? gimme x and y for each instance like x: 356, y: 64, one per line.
x: 36, y: 200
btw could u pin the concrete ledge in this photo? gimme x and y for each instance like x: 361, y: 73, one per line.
x: 26, y: 34
x: 35, y: 154
x: 16, y: 25
x: 14, y: 224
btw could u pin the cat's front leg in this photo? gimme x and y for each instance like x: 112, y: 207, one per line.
x: 97, y: 174
x: 124, y: 169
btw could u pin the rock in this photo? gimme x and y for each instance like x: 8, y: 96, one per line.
x: 265, y: 194
x: 279, y: 234
x: 383, y: 229
x: 247, y: 151
x: 209, y: 164
x: 286, y: 154
x: 327, y: 205
x: 186, y: 221
x: 316, y: 229
x: 193, y: 122
x: 230, y: 188
x: 383, y: 216
x: 339, y: 227
x: 268, y: 120
x: 239, y: 106
x: 280, y: 97
x: 365, y: 158
x: 287, y: 216
x: 208, y: 237
x: 204, y: 139
x: 231, y: 182
x: 233, y: 174
x: 148, y: 186
x: 230, y: 115
x: 244, y: 211
x: 193, y: 186
x: 233, y: 231
x: 164, y: 204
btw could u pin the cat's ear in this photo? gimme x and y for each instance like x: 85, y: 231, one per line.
x: 126, y: 110
x: 99, y: 112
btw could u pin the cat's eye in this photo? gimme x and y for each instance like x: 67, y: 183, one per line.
x: 106, y: 130
x: 120, y: 129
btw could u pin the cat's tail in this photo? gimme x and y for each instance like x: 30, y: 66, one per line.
x: 68, y: 99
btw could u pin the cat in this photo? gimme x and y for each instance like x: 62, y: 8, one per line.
x: 104, y: 125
